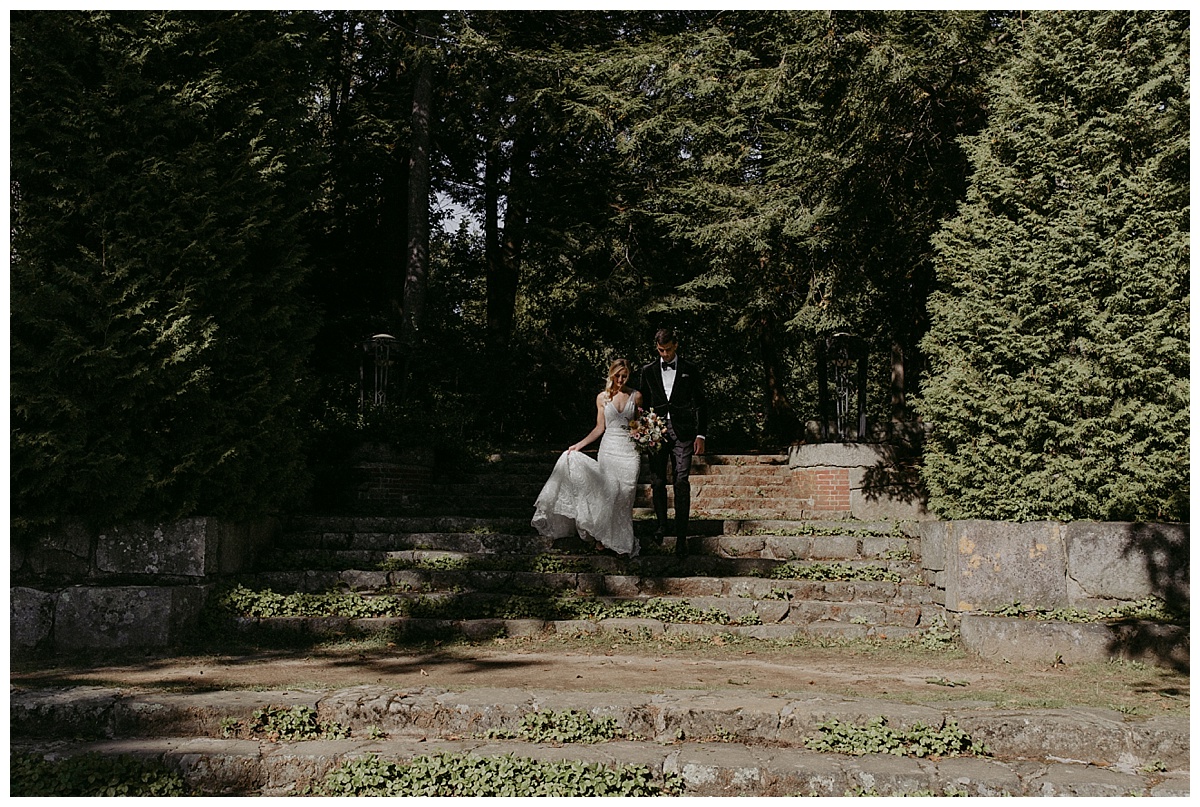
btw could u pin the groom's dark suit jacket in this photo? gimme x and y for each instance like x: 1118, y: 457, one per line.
x: 688, y: 407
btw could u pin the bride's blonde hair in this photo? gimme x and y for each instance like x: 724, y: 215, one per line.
x: 612, y: 388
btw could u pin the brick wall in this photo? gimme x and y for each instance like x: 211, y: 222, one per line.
x: 827, y: 488
x: 860, y: 480
x: 394, y: 483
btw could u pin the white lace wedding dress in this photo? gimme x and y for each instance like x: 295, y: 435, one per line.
x: 594, y: 497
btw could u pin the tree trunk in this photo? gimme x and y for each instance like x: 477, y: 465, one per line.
x: 781, y: 426
x: 416, y: 279
x: 899, y: 405
x: 504, y: 252
x: 491, y: 243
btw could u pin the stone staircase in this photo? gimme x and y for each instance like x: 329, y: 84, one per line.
x: 472, y: 568
x: 721, y: 743
x: 754, y: 486
x: 476, y: 578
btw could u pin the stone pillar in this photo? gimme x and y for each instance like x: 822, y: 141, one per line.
x: 865, y: 481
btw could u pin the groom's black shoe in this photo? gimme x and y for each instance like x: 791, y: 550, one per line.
x: 659, y: 535
x: 681, y: 531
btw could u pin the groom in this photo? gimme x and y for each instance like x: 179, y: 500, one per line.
x: 673, y: 388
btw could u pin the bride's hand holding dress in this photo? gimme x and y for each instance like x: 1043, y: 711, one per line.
x: 595, y: 497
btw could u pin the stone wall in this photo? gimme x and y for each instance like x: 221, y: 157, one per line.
x: 137, y: 585
x: 866, y: 481
x: 977, y: 567
x: 985, y: 565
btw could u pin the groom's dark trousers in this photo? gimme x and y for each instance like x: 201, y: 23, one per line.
x: 677, y: 454
x: 686, y: 412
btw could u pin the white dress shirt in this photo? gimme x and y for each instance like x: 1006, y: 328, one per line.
x: 668, y: 377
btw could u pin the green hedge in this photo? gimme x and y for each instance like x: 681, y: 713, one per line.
x: 157, y: 333
x: 1059, y: 383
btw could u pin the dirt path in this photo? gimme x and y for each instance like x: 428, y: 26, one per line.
x: 642, y: 667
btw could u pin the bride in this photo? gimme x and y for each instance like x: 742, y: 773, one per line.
x: 594, y: 497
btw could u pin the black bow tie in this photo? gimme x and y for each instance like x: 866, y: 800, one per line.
x: 668, y: 365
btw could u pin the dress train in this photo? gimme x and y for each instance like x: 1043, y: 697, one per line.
x: 594, y: 497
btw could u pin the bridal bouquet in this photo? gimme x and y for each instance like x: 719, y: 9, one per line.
x: 647, y: 430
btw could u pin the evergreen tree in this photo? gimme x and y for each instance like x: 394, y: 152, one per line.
x: 159, y: 167
x: 801, y: 160
x: 358, y: 225
x: 1059, y: 338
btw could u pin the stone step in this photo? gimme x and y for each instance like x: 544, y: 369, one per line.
x: 850, y: 610
x: 748, y: 505
x: 523, y: 495
x: 518, y: 500
x: 740, y: 460
x: 217, y: 767
x: 723, y: 508
x: 1091, y: 735
x: 499, y: 490
x: 773, y: 489
x: 507, y: 484
x: 301, y: 524
x: 534, y: 468
x: 727, y: 475
x: 716, y: 490
x: 723, y: 470
x: 405, y: 629
x: 809, y: 526
x: 775, y: 486
x: 700, y: 463
x: 506, y: 543
x: 535, y: 462
x: 742, y: 509
x: 529, y: 485
x: 591, y: 584
x: 827, y: 622
x: 297, y: 550
x: 530, y: 480
x: 482, y: 510
x: 717, y: 743
x: 649, y: 566
x: 729, y: 570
